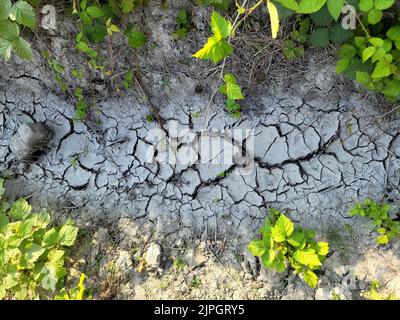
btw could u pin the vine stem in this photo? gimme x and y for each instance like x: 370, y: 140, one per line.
x: 235, y: 24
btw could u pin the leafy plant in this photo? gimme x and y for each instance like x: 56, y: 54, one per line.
x: 77, y: 293
x: 283, y: 244
x: 182, y: 24
x: 13, y: 16
x: 32, y: 254
x: 293, y: 48
x: 374, y: 293
x: 373, y: 57
x: 386, y: 227
x: 233, y: 93
x: 136, y: 39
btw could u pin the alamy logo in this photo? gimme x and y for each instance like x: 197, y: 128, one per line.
x: 48, y: 21
x: 349, y: 20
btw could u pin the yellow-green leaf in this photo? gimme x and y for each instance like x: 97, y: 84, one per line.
x: 274, y: 17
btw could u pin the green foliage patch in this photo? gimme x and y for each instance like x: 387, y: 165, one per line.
x: 32, y: 253
x: 284, y: 244
x: 386, y: 227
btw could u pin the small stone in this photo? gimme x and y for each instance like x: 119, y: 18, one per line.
x: 322, y: 294
x: 31, y: 139
x: 124, y: 262
x: 194, y: 258
x: 153, y: 255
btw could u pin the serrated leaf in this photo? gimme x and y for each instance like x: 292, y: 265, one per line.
x: 20, y: 209
x: 363, y: 77
x: 274, y: 17
x: 322, y: 17
x: 68, y: 235
x: 23, y: 13
x: 5, y: 48
x: 368, y: 53
x: 342, y: 65
x: 31, y: 253
x: 136, y: 39
x: 392, y: 88
x: 282, y: 229
x: 347, y: 51
x: 220, y: 27
x: 55, y: 255
x: 296, y: 239
x: 338, y: 35
x: 5, y: 8
x: 95, y: 12
x: 320, y: 37
x: 215, y: 49
x: 310, y: 278
x: 310, y: 6
x: 366, y: 5
x: 51, y: 238
x: 322, y: 248
x: 308, y: 257
x: 383, y: 239
x: 375, y: 16
x: 9, y: 30
x: 394, y: 33
x: 383, y: 4
x: 335, y: 8
x: 257, y: 248
x: 268, y: 258
x: 127, y: 6
x: 22, y: 48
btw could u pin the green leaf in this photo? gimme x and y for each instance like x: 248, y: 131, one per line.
x: 376, y: 42
x: 366, y: 5
x: 383, y: 4
x: 363, y: 77
x: 31, y: 253
x: 68, y: 235
x: 310, y: 6
x: 5, y: 48
x: 382, y: 70
x: 268, y: 258
x: 394, y: 33
x: 368, y: 53
x: 20, y: 209
x: 375, y: 16
x: 383, y: 239
x: 308, y: 257
x: 55, y: 255
x: 215, y: 49
x: 257, y: 248
x: 342, y: 65
x: 23, y: 13
x: 219, y: 26
x: 282, y: 229
x: 322, y: 248
x: 310, y: 278
x: 9, y: 30
x: 5, y: 9
x: 296, y: 239
x: 136, y: 39
x: 320, y: 37
x: 290, y: 4
x: 335, y: 8
x: 127, y: 6
x: 22, y: 48
x: 51, y: 238
x: 322, y: 17
x: 95, y: 12
x: 347, y: 51
x: 392, y: 88
x: 338, y: 35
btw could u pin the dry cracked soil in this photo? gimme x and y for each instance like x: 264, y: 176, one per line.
x: 317, y: 144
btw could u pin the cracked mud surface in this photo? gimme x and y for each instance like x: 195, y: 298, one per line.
x: 318, y: 148
x: 315, y: 158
